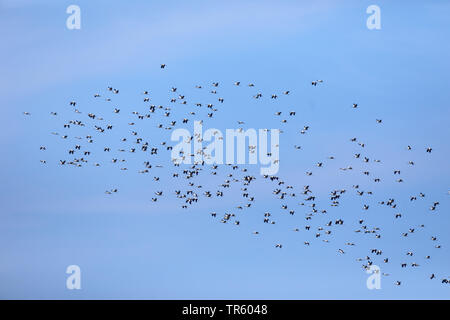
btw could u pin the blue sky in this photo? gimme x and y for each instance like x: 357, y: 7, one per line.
x: 127, y: 247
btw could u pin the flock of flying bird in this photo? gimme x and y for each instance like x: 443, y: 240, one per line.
x: 231, y: 175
